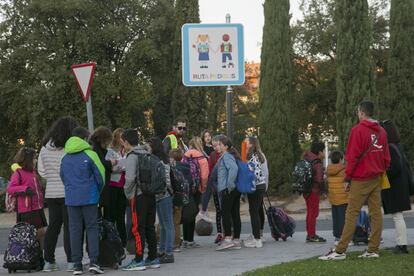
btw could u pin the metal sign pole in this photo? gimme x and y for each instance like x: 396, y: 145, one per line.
x: 89, y: 114
x: 229, y: 100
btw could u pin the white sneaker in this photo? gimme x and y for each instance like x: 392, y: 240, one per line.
x: 333, y: 256
x: 237, y: 244
x: 226, y: 244
x: 368, y: 255
x: 205, y: 217
x: 253, y: 243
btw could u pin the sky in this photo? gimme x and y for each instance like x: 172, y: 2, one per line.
x: 247, y: 12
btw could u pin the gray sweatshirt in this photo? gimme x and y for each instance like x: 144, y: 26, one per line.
x: 132, y: 172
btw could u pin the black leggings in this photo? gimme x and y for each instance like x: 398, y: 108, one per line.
x: 230, y: 207
x: 255, y: 205
x: 115, y: 211
x: 189, y: 227
x: 218, y: 211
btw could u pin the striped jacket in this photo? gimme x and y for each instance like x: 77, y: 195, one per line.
x: 48, y: 167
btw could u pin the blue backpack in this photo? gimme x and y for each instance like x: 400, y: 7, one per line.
x: 245, y: 181
x: 362, y: 229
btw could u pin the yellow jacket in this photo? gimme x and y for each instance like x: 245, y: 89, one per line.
x: 336, y: 193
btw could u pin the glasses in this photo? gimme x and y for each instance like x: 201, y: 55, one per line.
x: 182, y: 128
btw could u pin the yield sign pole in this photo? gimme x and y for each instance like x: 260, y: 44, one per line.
x: 84, y: 74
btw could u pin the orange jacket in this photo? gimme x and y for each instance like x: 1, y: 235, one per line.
x: 336, y: 193
x: 203, y: 163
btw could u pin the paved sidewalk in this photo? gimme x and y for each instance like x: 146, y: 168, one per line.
x: 206, y: 261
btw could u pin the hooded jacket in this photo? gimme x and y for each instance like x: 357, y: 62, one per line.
x: 48, y: 167
x: 318, y: 184
x: 82, y: 173
x: 376, y: 160
x: 131, y: 188
x: 336, y: 192
x: 25, y: 187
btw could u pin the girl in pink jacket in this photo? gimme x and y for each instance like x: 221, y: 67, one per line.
x: 24, y: 186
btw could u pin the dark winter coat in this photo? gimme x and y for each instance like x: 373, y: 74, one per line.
x: 397, y: 198
x: 105, y: 195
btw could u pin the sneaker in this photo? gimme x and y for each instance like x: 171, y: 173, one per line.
x: 333, y: 256
x: 219, y: 238
x: 263, y: 239
x: 193, y: 244
x: 184, y: 244
x: 315, y: 238
x: 135, y: 266
x: 205, y: 217
x: 78, y: 270
x: 368, y: 255
x: 49, y: 267
x: 400, y: 249
x: 237, y: 244
x: 152, y: 264
x: 177, y: 249
x: 226, y: 244
x: 70, y: 267
x: 167, y: 259
x: 253, y: 243
x: 95, y: 269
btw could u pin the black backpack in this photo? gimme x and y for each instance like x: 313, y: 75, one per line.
x: 152, y: 174
x: 181, y: 188
x: 302, y: 176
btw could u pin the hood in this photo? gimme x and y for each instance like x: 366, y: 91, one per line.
x: 51, y: 147
x: 76, y: 144
x: 371, y: 124
x: 310, y: 156
x: 140, y: 149
x: 334, y: 169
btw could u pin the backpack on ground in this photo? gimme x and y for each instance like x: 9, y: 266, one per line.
x: 203, y: 228
x: 23, y: 250
x: 195, y: 171
x: 302, y: 177
x: 152, y: 174
x: 281, y: 225
x: 245, y: 181
x: 181, y: 188
x: 111, y: 251
x: 362, y: 229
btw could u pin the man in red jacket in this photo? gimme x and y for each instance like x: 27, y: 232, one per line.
x: 367, y: 157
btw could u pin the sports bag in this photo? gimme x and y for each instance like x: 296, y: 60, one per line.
x: 111, y: 251
x: 195, y: 171
x: 302, y: 176
x: 281, y: 225
x: 245, y: 181
x: 23, y: 250
x: 152, y: 174
x: 362, y: 229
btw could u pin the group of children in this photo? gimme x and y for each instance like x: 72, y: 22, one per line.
x: 102, y: 174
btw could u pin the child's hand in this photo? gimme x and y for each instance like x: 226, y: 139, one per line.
x: 347, y: 186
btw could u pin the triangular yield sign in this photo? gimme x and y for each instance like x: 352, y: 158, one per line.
x: 84, y: 76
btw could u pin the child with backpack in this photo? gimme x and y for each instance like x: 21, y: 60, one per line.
x: 143, y: 205
x: 25, y: 188
x: 257, y: 159
x: 199, y: 174
x: 181, y: 172
x: 337, y: 196
x: 164, y: 205
x: 230, y: 196
x: 83, y: 176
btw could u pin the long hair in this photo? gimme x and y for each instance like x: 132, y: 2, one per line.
x: 230, y: 149
x: 157, y: 149
x: 25, y: 157
x: 255, y: 149
x: 116, y: 138
x: 196, y: 143
x: 203, y: 133
x: 101, y: 137
x: 60, y: 132
x: 392, y: 132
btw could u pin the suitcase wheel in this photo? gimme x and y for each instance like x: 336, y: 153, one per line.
x: 116, y: 266
x: 276, y: 239
x: 284, y: 239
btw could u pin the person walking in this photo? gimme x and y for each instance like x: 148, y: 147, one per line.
x: 48, y: 167
x: 396, y: 200
x: 368, y: 157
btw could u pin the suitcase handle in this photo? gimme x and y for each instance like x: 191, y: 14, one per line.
x: 268, y: 199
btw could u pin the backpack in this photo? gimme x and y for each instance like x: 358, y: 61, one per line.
x: 181, y: 188
x: 302, y: 176
x: 245, y: 181
x: 23, y: 250
x: 111, y: 251
x: 195, y: 171
x: 152, y: 174
x: 362, y: 229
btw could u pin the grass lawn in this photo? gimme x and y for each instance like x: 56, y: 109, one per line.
x: 387, y: 264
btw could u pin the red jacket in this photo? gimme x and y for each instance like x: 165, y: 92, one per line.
x: 318, y: 183
x: 212, y: 160
x: 376, y: 161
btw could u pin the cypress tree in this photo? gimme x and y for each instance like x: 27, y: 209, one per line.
x: 186, y: 101
x: 399, y: 100
x: 276, y: 93
x: 354, y: 74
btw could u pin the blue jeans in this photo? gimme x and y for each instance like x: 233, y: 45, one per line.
x: 206, y: 196
x: 78, y: 217
x: 165, y: 217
